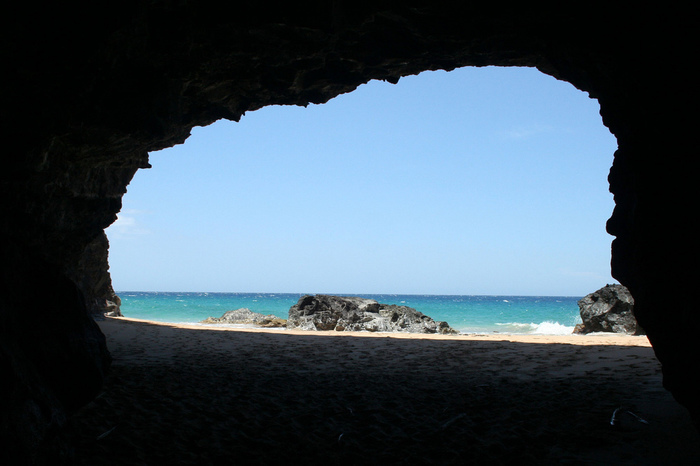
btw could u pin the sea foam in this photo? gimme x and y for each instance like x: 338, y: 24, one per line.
x: 553, y: 328
x: 543, y: 328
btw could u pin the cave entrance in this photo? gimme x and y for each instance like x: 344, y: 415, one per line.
x: 420, y: 191
x: 478, y: 181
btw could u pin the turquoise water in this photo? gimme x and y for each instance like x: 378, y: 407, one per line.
x: 468, y: 314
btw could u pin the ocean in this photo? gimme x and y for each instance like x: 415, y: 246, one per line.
x: 550, y: 315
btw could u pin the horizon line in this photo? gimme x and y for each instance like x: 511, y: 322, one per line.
x: 360, y: 294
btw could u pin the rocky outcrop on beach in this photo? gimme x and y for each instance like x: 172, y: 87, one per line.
x: 610, y: 309
x: 245, y: 316
x: 339, y: 313
x: 112, y: 306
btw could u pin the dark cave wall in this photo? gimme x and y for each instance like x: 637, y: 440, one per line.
x: 91, y: 91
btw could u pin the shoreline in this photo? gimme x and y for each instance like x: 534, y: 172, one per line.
x: 480, y: 314
x: 574, y: 339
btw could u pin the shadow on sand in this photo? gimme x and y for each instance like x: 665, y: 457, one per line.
x: 186, y: 396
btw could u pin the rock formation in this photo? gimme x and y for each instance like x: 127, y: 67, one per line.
x: 610, y: 309
x: 91, y: 89
x: 245, y: 316
x: 91, y: 274
x: 346, y: 314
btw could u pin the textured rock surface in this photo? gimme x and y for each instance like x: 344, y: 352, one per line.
x: 609, y: 309
x: 346, y: 314
x: 53, y: 358
x: 245, y: 316
x: 91, y: 89
x: 91, y: 274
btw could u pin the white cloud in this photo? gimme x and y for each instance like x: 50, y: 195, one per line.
x: 127, y: 224
x: 527, y: 131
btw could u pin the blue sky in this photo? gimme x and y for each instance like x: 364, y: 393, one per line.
x: 476, y: 181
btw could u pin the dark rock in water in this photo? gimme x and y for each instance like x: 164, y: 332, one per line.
x: 324, y: 312
x: 247, y: 317
x: 610, y: 309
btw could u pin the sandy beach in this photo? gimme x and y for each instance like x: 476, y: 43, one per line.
x: 181, y: 394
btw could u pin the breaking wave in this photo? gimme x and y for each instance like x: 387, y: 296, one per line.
x: 543, y: 328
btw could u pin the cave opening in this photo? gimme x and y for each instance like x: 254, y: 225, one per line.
x: 92, y: 93
x: 478, y: 181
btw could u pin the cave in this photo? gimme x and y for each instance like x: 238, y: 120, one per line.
x: 91, y: 90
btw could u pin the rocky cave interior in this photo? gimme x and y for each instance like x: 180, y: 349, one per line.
x: 91, y: 90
